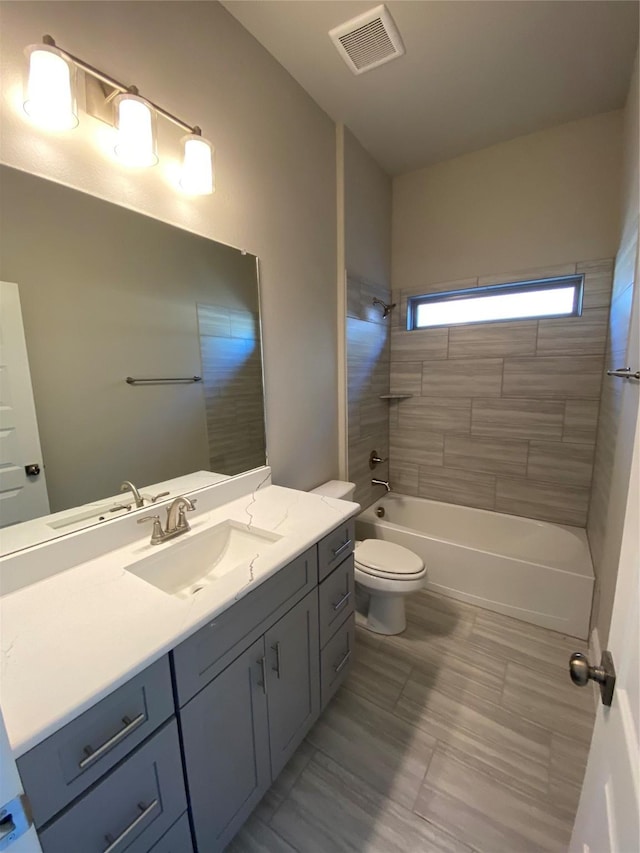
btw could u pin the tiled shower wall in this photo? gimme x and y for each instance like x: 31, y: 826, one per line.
x: 503, y: 415
x: 367, y: 379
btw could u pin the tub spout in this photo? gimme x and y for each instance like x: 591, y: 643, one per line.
x: 384, y: 483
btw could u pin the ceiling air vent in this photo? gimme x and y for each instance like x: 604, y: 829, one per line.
x: 369, y: 40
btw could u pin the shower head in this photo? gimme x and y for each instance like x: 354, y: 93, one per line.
x: 387, y: 308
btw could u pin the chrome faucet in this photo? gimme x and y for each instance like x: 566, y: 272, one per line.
x: 384, y: 483
x: 128, y: 486
x: 176, y: 520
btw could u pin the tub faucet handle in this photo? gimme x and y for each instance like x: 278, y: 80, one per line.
x: 374, y: 459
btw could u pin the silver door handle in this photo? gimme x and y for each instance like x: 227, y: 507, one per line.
x: 276, y: 668
x: 342, y: 663
x: 263, y: 683
x: 337, y: 551
x: 144, y: 812
x: 342, y: 601
x: 582, y: 672
x: 93, y: 754
x: 624, y: 373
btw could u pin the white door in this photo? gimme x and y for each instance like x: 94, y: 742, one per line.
x: 22, y: 497
x: 608, y: 818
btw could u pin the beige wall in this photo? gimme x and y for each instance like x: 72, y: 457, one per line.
x: 615, y: 428
x: 534, y: 201
x: 367, y: 215
x: 275, y: 184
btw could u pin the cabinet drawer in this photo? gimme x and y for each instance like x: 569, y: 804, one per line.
x: 200, y: 658
x: 60, y: 768
x: 177, y: 839
x: 335, y: 660
x: 336, y: 599
x: 131, y: 808
x: 334, y: 547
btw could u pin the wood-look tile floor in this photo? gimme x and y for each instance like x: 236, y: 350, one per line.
x: 463, y: 733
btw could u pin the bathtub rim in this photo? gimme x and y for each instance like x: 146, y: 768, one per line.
x: 368, y: 515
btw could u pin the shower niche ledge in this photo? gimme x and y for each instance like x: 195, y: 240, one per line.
x: 395, y: 396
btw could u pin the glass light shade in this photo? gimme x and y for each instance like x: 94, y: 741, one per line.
x: 196, y: 177
x: 136, y: 127
x: 51, y: 88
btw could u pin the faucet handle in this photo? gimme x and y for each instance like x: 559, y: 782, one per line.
x: 157, y: 533
x: 155, y: 498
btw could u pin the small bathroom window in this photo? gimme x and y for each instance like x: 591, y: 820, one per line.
x: 553, y: 297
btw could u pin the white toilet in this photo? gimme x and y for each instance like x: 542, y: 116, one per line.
x: 384, y: 571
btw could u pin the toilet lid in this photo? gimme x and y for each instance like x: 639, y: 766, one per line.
x: 386, y: 558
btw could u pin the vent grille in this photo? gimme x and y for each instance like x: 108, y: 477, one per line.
x: 369, y: 40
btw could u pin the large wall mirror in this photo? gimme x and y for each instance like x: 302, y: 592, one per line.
x: 107, y: 294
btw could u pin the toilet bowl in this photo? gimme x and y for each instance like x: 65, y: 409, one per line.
x: 386, y: 572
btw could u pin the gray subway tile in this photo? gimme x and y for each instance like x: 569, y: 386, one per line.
x: 597, y: 265
x: 417, y: 447
x: 403, y: 477
x: 530, y: 274
x: 553, y: 377
x: 419, y: 345
x: 457, y: 486
x: 581, y: 421
x: 517, y: 418
x: 484, y: 340
x: 406, y: 377
x: 492, y: 456
x: 584, y: 335
x: 597, y: 289
x: 440, y: 414
x: 462, y: 377
x: 547, y: 501
x: 560, y: 462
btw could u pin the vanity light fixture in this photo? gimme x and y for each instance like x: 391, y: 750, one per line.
x: 50, y: 99
x: 136, y: 124
x: 196, y: 177
x: 51, y: 102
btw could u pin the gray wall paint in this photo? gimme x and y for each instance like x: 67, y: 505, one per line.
x: 367, y: 210
x: 610, y: 481
x: 275, y: 182
x: 503, y: 415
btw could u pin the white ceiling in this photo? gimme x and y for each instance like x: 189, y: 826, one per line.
x: 476, y: 72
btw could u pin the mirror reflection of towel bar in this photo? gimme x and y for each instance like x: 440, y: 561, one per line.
x: 162, y: 380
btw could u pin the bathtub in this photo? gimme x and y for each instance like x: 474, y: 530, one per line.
x: 532, y: 570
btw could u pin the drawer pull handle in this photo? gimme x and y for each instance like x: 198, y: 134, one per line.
x: 263, y: 683
x: 145, y: 811
x: 93, y: 754
x: 343, y: 663
x: 342, y: 601
x: 337, y: 551
x: 276, y: 668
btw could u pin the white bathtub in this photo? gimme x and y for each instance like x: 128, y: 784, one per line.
x: 532, y: 570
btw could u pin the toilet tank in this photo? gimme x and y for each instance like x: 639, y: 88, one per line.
x: 339, y: 489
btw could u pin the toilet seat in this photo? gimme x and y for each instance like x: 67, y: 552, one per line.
x: 381, y: 559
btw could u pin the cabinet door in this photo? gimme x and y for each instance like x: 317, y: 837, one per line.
x: 226, y: 749
x: 293, y: 679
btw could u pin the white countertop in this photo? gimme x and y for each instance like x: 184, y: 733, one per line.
x: 72, y: 638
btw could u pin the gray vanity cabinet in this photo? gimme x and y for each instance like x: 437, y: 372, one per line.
x: 225, y: 734
x: 240, y: 730
x: 293, y: 683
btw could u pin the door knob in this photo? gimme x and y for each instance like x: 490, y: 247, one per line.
x: 582, y: 672
x: 32, y: 470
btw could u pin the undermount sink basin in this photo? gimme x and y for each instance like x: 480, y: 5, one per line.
x: 187, y: 565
